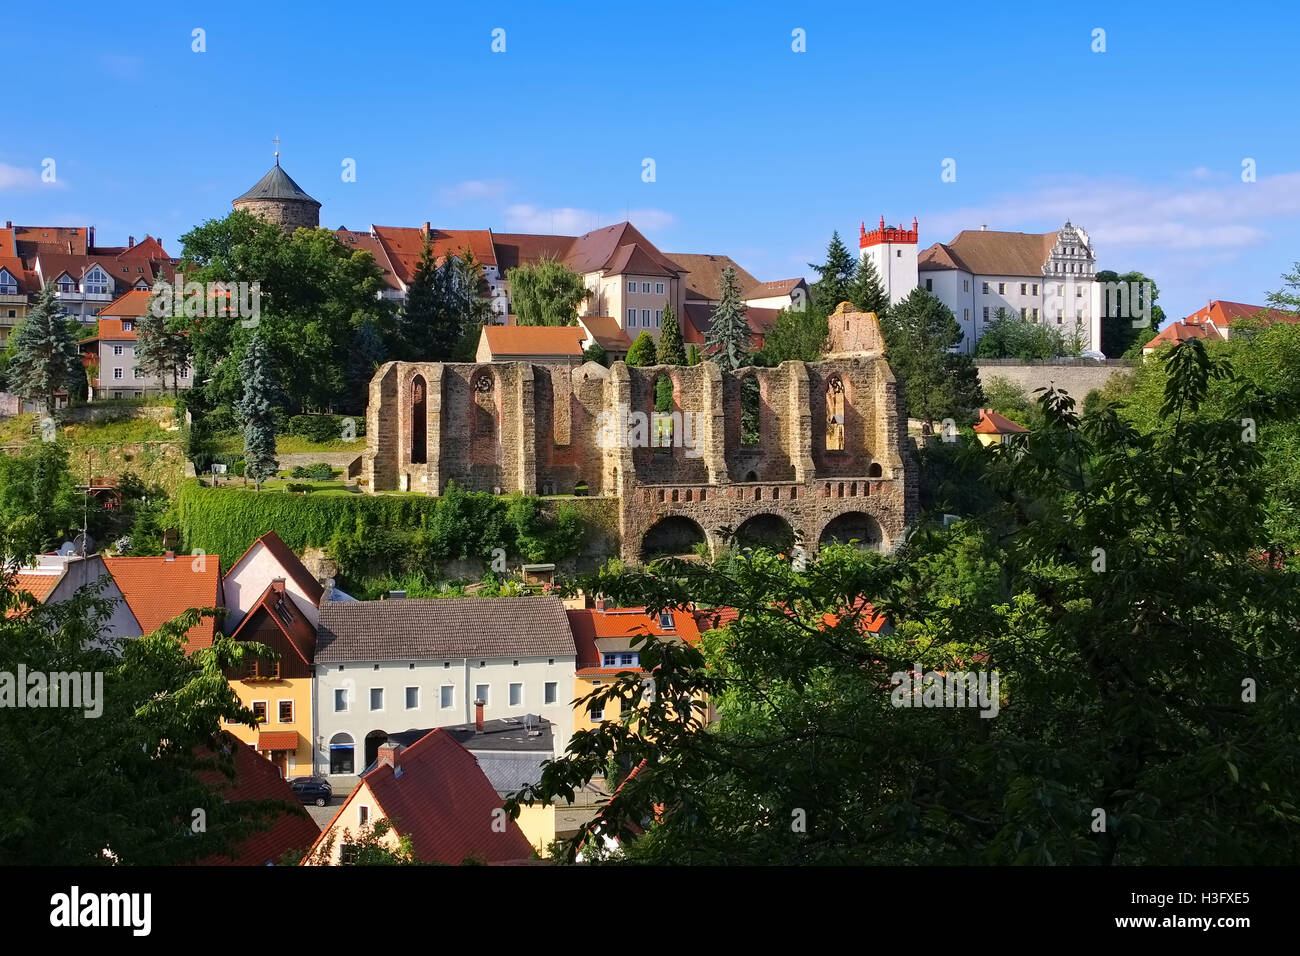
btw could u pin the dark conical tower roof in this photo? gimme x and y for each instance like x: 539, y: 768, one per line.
x: 277, y: 185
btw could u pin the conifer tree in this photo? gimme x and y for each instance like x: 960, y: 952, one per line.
x: 672, y: 351
x: 642, y: 352
x: 693, y: 356
x: 867, y: 292
x: 729, y: 342
x: 837, y: 274
x: 161, y: 348
x: 45, y: 356
x: 254, y: 410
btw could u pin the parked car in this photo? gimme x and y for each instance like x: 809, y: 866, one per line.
x: 312, y: 790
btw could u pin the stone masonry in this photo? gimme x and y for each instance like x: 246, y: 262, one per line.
x: 826, y: 456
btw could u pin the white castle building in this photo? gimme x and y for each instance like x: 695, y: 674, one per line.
x: 1048, y: 277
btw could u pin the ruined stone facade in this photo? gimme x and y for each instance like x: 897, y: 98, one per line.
x: 802, y: 453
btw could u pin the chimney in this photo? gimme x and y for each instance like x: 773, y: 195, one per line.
x: 90, y: 236
x: 9, y: 223
x: 170, y: 556
x: 424, y: 230
x: 478, y: 716
x: 601, y: 602
x: 130, y: 242
x: 388, y: 756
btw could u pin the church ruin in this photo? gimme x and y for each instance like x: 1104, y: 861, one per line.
x: 800, y: 454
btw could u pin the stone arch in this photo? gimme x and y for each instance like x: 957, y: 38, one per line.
x: 751, y: 412
x: 672, y: 535
x: 419, y: 420
x: 854, y: 527
x: 663, y: 402
x: 835, y: 414
x: 374, y: 740
x: 875, y: 471
x: 771, y: 531
x: 483, y: 389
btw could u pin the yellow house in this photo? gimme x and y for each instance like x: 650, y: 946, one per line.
x: 994, y: 429
x: 280, y: 691
x: 603, y: 638
x: 433, y: 793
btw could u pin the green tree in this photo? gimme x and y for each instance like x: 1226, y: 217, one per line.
x: 255, y: 410
x: 162, y: 347
x: 837, y: 273
x: 919, y: 331
x: 1119, y: 310
x: 672, y: 351
x: 546, y: 292
x: 366, y: 355
x: 367, y: 847
x: 443, y: 303
x: 642, y: 352
x: 44, y: 357
x: 39, y: 504
x: 693, y: 356
x: 729, y: 339
x: 867, y: 293
x: 1119, y: 587
x: 1009, y: 336
x: 795, y: 335
x: 595, y: 352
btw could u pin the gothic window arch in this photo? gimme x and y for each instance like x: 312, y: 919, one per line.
x: 835, y: 414
x: 750, y: 411
x: 485, y: 417
x: 419, y: 420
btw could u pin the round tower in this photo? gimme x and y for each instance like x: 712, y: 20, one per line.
x: 278, y: 199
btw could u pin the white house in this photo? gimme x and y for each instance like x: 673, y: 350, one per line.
x: 267, y: 559
x: 1042, y: 277
x: 384, y: 667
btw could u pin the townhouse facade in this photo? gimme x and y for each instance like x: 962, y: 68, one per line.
x: 113, y: 351
x: 387, y: 666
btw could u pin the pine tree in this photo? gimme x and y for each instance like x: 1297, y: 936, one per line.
x: 254, y: 409
x: 729, y: 341
x: 415, y: 324
x: 367, y: 353
x: 45, y: 356
x: 693, y: 356
x: 867, y: 293
x: 672, y: 351
x: 642, y: 352
x: 918, y: 332
x: 836, y: 280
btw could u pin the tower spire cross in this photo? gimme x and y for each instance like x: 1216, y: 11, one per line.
x: 276, y: 140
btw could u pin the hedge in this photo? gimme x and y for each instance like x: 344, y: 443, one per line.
x: 385, y: 533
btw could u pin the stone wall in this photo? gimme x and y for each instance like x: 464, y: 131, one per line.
x: 287, y: 213
x: 1078, y: 377
x: 829, y: 453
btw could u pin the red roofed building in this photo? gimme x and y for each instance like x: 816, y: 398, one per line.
x: 113, y: 350
x: 604, y: 637
x: 435, y: 793
x: 543, y: 344
x: 159, y: 589
x: 291, y: 831
x: 993, y: 429
x: 1215, y: 321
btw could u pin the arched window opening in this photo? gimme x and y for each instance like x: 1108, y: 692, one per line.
x: 341, y: 753
x: 835, y: 414
x: 485, y: 418
x: 875, y: 470
x: 663, y: 430
x: 750, y: 419
x: 419, y: 421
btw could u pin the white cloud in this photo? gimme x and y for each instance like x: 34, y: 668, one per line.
x: 17, y: 178
x: 566, y: 220
x: 473, y: 190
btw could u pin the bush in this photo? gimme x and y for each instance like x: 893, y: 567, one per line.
x: 323, y: 428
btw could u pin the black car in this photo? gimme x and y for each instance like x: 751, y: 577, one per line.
x: 312, y: 790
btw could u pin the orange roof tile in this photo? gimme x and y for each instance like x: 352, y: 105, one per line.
x: 506, y: 340
x: 277, y: 740
x: 39, y: 585
x: 589, y: 625
x: 404, y: 246
x: 158, y: 589
x: 991, y: 423
x: 132, y: 305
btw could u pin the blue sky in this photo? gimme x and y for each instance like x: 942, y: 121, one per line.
x: 760, y: 152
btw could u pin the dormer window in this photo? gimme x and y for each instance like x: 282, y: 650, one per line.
x: 127, y: 325
x: 666, y: 620
x: 66, y: 284
x: 96, y: 282
x: 8, y: 284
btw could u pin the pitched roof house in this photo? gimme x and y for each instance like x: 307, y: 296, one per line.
x: 1215, y: 320
x: 435, y: 794
x: 547, y: 345
x: 267, y: 559
x: 159, y: 589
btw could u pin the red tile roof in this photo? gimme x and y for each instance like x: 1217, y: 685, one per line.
x: 403, y: 246
x: 991, y: 423
x: 365, y: 242
x: 1180, y: 332
x: 289, y: 563
x: 68, y: 240
x: 38, y: 585
x: 704, y: 279
x: 14, y: 266
x: 507, y: 340
x: 765, y: 290
x: 606, y: 331
x: 1223, y: 313
x: 987, y: 252
x: 870, y: 621
x: 444, y: 802
x: 158, y: 590
x: 589, y: 625
x: 256, y: 778
x: 277, y: 740
x: 132, y: 305
x: 711, y: 619
x: 113, y: 330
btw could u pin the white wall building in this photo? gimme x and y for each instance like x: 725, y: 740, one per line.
x: 1042, y: 277
x: 383, y: 667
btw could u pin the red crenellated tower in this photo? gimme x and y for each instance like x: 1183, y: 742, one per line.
x: 893, y: 251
